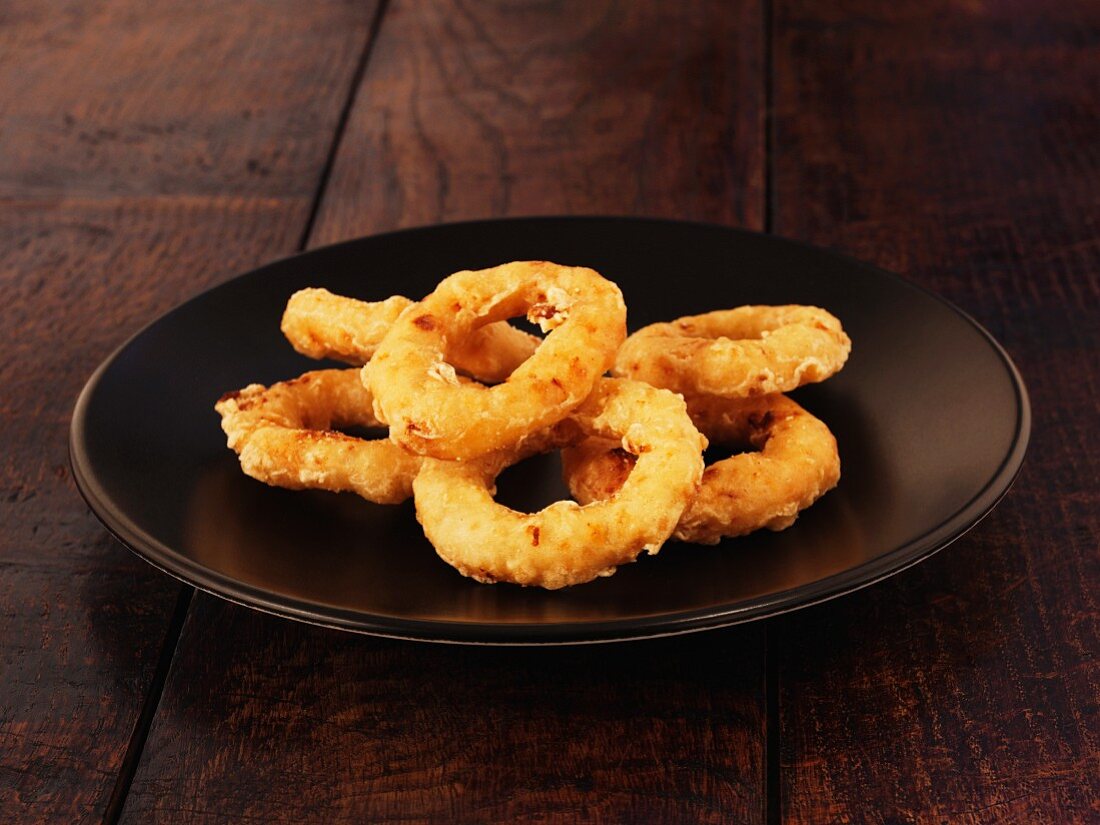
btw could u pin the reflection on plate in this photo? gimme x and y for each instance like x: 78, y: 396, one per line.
x: 930, y: 416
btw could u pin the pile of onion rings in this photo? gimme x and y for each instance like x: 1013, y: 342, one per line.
x: 464, y: 394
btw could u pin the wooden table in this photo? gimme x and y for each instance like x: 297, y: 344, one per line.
x: 151, y: 149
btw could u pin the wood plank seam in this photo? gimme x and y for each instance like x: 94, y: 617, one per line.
x: 768, y: 14
x: 954, y: 144
x: 773, y: 801
x: 342, y: 123
x: 136, y: 746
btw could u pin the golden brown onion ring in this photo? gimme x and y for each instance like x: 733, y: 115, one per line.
x: 432, y: 413
x: 737, y: 353
x: 796, y: 464
x: 283, y: 436
x: 319, y: 324
x: 565, y: 543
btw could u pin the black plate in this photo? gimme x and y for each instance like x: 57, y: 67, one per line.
x: 931, y: 417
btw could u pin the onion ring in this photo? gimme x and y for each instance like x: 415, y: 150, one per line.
x: 565, y: 543
x: 283, y: 437
x: 797, y: 463
x: 432, y: 413
x: 319, y: 324
x: 737, y: 353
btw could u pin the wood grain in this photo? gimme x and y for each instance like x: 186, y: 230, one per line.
x: 469, y: 110
x: 145, y: 152
x: 473, y: 110
x: 957, y: 143
x: 271, y: 721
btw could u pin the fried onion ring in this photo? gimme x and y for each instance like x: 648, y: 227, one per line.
x: 432, y: 413
x: 796, y: 464
x: 565, y: 543
x: 737, y: 353
x: 319, y: 324
x: 283, y: 436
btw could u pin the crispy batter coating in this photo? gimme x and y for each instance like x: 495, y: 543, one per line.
x: 431, y: 413
x: 632, y: 445
x: 319, y: 324
x: 283, y: 436
x: 796, y: 463
x: 566, y: 543
x: 737, y: 353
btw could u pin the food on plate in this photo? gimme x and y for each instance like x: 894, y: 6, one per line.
x: 430, y: 412
x: 283, y: 435
x: 737, y: 353
x: 794, y: 462
x: 464, y: 395
x: 566, y: 543
x: 319, y: 324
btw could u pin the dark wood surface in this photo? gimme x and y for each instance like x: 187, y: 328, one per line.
x: 146, y: 151
x: 472, y: 110
x: 150, y: 150
x: 958, y: 144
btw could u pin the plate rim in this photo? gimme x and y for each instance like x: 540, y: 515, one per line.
x: 839, y: 584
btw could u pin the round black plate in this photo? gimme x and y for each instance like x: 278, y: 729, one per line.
x: 931, y: 417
